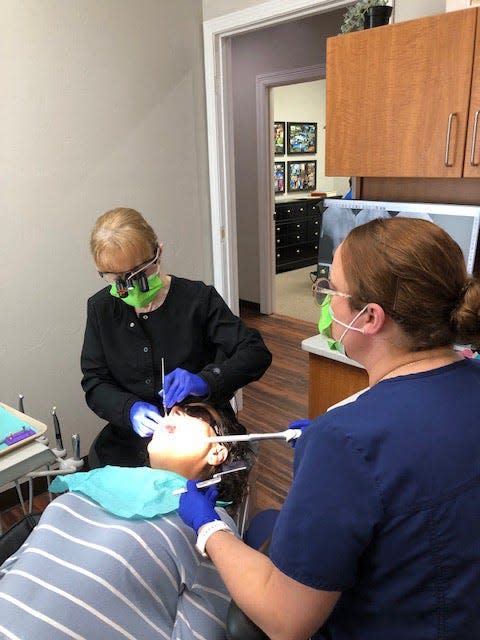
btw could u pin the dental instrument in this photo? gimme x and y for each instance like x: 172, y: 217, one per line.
x: 162, y: 393
x: 59, y: 450
x: 287, y: 435
x: 215, y: 479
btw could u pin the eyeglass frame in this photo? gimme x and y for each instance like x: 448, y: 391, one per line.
x: 133, y: 273
x: 326, y: 291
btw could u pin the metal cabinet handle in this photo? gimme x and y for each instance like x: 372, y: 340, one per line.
x: 447, y: 140
x: 474, y: 140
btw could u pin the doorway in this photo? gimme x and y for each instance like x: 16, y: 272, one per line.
x: 299, y: 112
x: 279, y: 20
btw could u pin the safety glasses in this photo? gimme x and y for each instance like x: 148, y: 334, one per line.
x: 321, y: 289
x: 132, y: 274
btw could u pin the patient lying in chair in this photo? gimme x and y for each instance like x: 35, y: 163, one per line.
x: 85, y: 573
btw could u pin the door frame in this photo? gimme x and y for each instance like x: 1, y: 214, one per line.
x: 265, y: 158
x: 219, y: 104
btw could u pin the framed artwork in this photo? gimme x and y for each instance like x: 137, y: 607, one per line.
x: 302, y: 137
x: 302, y: 176
x: 279, y: 177
x: 279, y: 137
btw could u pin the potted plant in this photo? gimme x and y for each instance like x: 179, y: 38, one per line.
x: 365, y: 14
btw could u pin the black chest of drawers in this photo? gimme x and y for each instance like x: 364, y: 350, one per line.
x: 297, y: 229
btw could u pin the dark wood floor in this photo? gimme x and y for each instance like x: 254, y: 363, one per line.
x: 277, y: 399
x: 268, y: 405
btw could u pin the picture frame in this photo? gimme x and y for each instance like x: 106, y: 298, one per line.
x: 279, y: 177
x: 279, y: 138
x: 301, y: 137
x: 302, y: 175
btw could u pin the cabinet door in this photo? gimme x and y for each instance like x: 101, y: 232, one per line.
x: 394, y: 92
x: 472, y: 150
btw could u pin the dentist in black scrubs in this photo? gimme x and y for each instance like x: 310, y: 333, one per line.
x: 143, y: 316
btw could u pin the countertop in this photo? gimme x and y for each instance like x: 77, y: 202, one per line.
x: 319, y: 346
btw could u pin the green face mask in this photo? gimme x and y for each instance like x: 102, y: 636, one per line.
x: 325, y: 326
x: 137, y: 298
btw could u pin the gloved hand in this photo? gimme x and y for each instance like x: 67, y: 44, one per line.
x: 299, y: 424
x: 179, y: 384
x: 196, y: 507
x: 145, y: 418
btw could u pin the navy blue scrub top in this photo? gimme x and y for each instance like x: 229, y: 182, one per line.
x: 385, y: 507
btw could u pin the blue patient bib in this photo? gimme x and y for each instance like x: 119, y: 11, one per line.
x: 139, y: 492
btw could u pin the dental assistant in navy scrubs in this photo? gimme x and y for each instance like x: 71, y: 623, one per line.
x: 379, y: 534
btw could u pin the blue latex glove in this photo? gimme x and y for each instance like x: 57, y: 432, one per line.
x: 179, y: 384
x: 299, y: 424
x: 196, y: 507
x: 145, y: 418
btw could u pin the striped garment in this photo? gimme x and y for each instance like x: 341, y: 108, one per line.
x: 86, y: 574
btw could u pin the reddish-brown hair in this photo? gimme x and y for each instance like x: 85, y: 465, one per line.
x: 416, y: 272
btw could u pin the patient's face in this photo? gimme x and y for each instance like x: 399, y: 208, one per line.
x: 179, y: 444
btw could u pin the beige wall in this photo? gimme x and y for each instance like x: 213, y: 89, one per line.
x: 305, y: 102
x: 102, y: 105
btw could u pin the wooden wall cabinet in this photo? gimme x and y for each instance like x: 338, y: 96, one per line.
x: 297, y: 228
x: 404, y: 100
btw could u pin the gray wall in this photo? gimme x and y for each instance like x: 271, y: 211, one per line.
x: 102, y: 105
x: 288, y: 46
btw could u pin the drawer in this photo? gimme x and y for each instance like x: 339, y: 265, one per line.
x: 313, y: 229
x: 297, y: 233
x: 281, y: 234
x: 315, y: 208
x: 287, y: 210
x: 295, y: 253
x: 292, y: 233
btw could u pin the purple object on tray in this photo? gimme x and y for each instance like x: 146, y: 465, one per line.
x: 18, y: 436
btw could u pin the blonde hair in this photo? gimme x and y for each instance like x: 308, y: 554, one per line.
x: 416, y: 272
x: 124, y: 232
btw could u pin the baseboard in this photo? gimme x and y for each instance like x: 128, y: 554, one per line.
x: 251, y: 306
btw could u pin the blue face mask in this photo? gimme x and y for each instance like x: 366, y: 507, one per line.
x: 133, y: 493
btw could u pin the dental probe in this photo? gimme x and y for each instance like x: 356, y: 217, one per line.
x: 165, y: 414
x: 287, y: 435
x: 215, y: 479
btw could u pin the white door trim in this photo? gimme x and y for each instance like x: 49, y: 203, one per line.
x: 219, y: 123
x: 265, y: 156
